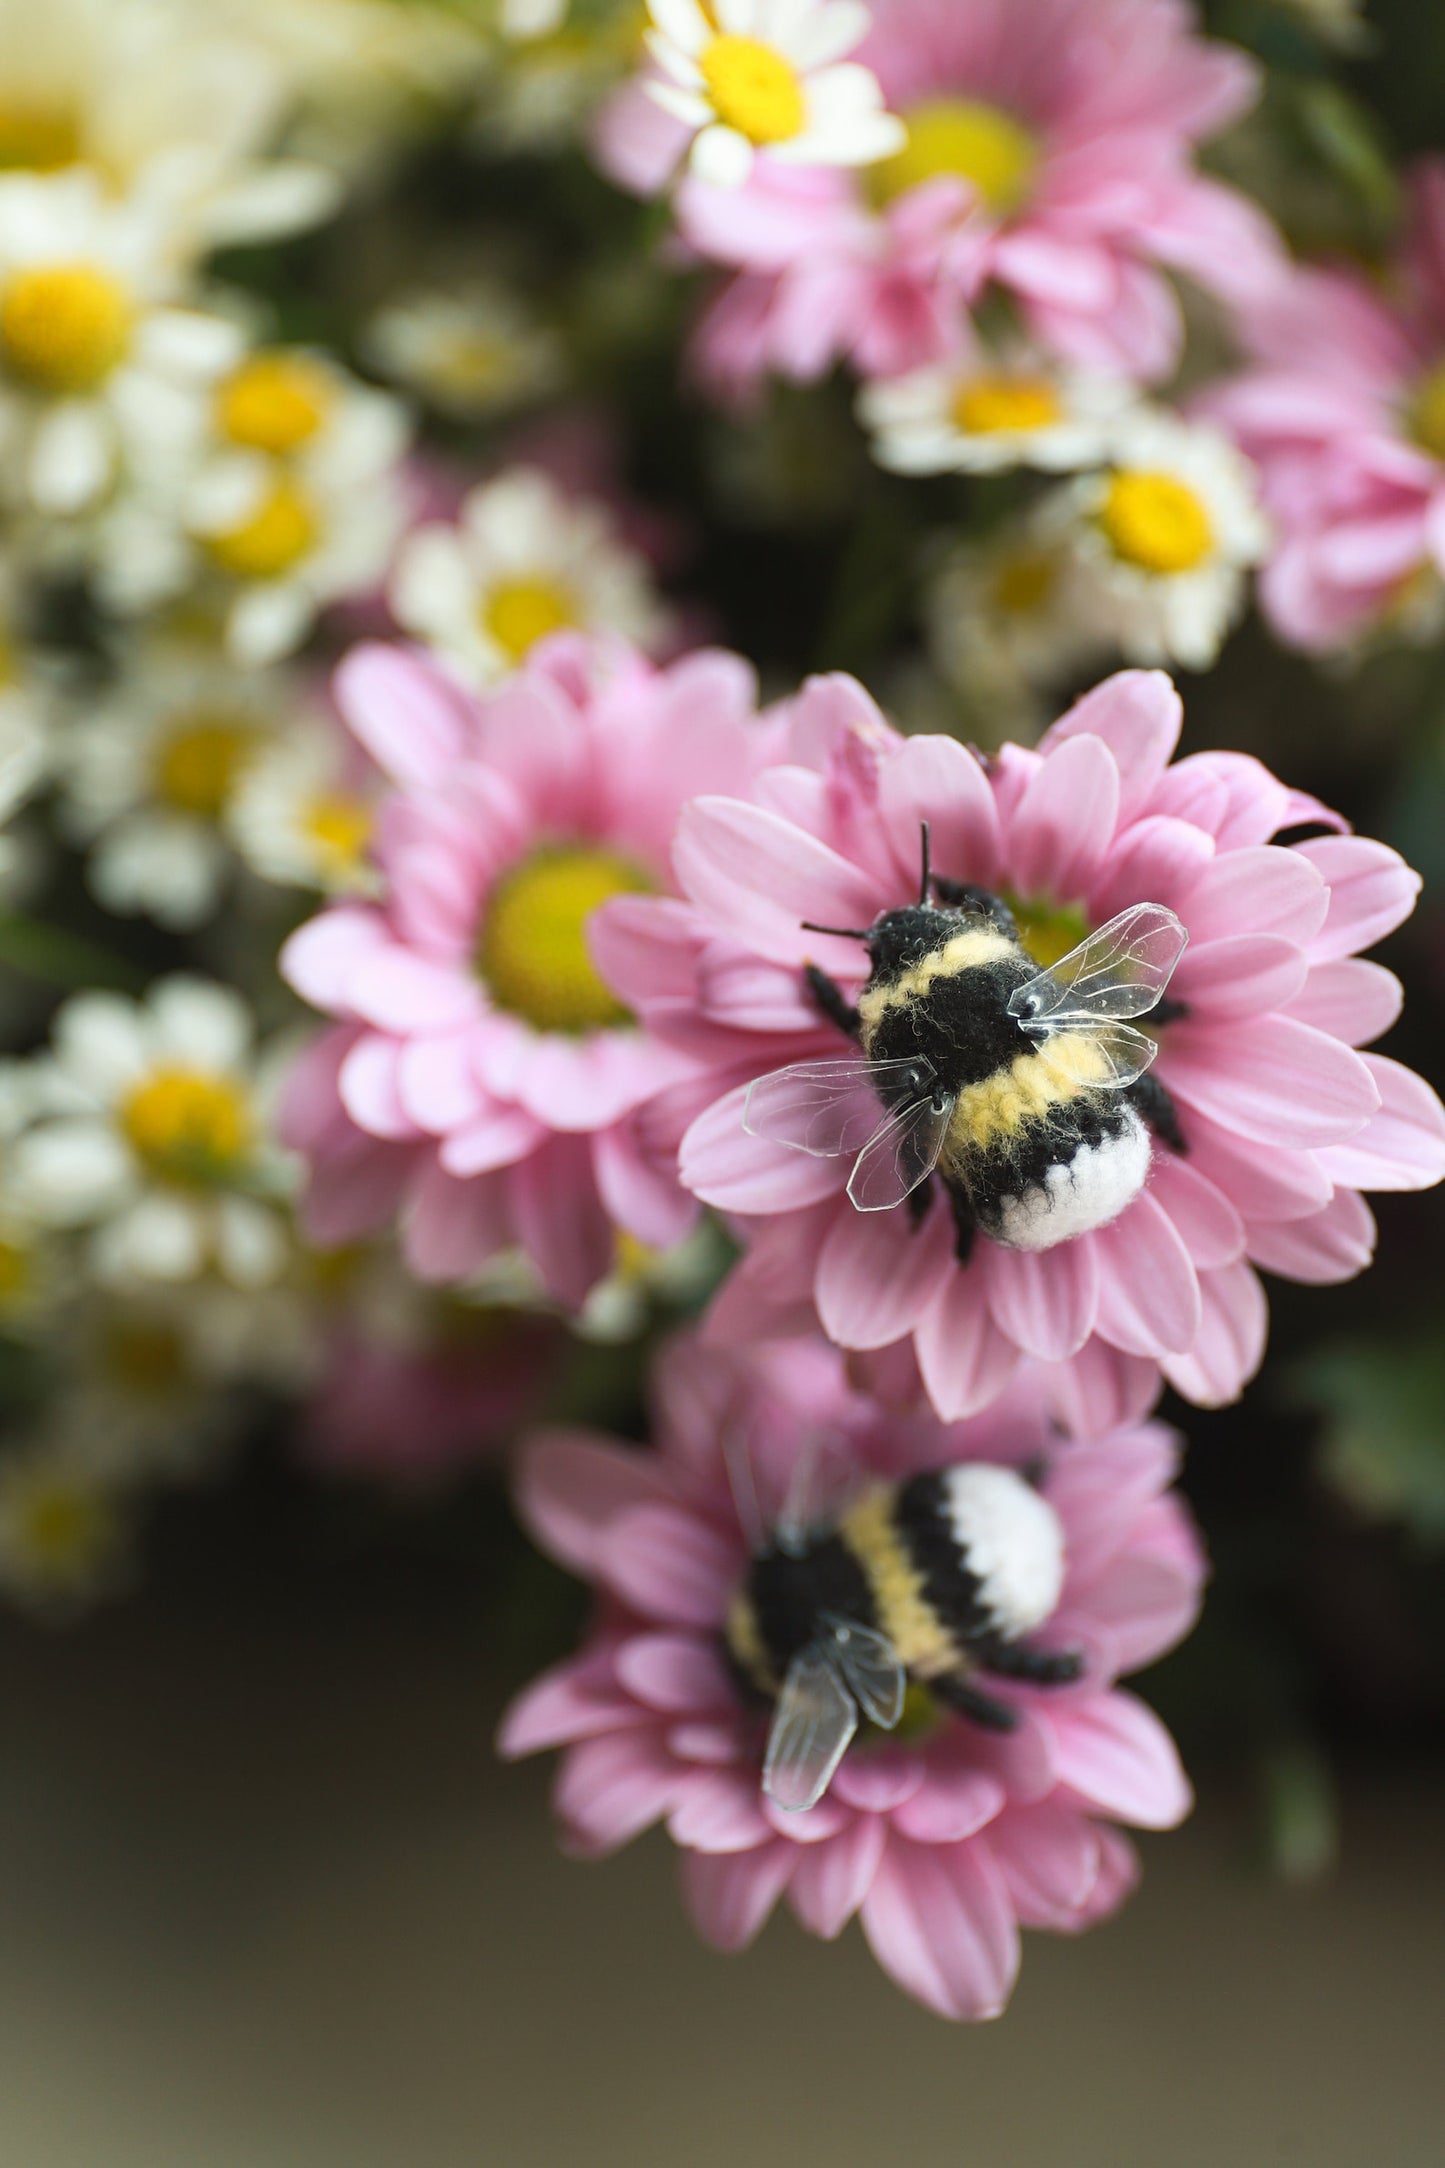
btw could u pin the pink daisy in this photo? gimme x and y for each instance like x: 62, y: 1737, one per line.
x: 1344, y: 415
x: 482, y: 1080
x: 1050, y: 154
x: 946, y: 1838
x: 1281, y: 1122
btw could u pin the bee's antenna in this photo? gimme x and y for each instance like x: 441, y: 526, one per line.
x: 927, y: 869
x: 844, y: 933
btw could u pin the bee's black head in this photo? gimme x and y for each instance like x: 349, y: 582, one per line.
x: 899, y: 939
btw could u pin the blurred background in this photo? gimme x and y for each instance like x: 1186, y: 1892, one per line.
x: 264, y: 1896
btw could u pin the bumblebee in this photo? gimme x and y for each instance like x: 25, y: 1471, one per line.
x: 1025, y: 1090
x: 935, y: 1580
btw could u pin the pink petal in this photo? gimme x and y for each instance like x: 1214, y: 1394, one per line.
x: 879, y: 1781
x: 644, y: 947
x: 369, y: 1084
x: 1261, y: 1181
x: 1100, y: 1492
x: 1155, y: 861
x: 636, y: 1192
x: 1064, y: 823
x: 451, y: 1228
x: 572, y: 1701
x: 498, y: 1137
x: 1239, y: 975
x: 1117, y: 1878
x: 400, y: 991
x: 573, y: 1485
x: 611, y: 1789
x: 1209, y: 1226
x: 1138, y: 714
x: 1049, y: 1858
x: 1148, y: 1289
x: 729, y: 1895
x: 437, y: 1085
x: 1263, y: 889
x: 717, y: 1810
x: 760, y: 877
x: 1100, y: 1388
x: 952, y: 1804
x: 1330, y: 1246
x: 1114, y: 1751
x: 1229, y: 1346
x: 720, y: 1163
x: 559, y: 1219
x: 832, y: 1879
x: 1400, y: 1147
x: 1044, y: 1300
x: 877, y: 1274
x: 936, y: 780
x: 1372, y: 891
x: 939, y: 1922
x: 1289, y: 1085
x: 669, y: 1565
x: 322, y: 957
x: 675, y: 1673
x: 964, y: 1359
x: 411, y: 718
x: 1350, y: 999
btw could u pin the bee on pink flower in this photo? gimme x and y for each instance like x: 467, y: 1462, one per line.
x: 1261, y: 1125
x: 944, y: 1836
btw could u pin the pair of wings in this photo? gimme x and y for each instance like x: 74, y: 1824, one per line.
x: 849, y: 1669
x: 832, y: 1108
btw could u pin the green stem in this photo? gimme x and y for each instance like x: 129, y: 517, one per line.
x: 63, y: 959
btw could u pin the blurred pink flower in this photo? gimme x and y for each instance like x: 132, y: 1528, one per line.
x: 1050, y: 154
x: 1284, y: 1122
x: 944, y: 1844
x: 482, y: 1079
x: 1344, y: 415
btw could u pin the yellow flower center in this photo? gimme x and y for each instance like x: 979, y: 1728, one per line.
x: 187, y: 1126
x: 1023, y: 583
x: 143, y: 1357
x: 632, y: 1260
x: 969, y: 141
x: 1048, y: 930
x: 339, y: 828
x: 519, y: 613
x: 1156, y: 522
x: 200, y: 763
x: 63, y: 1529
x: 989, y: 405
x: 274, y: 402
x: 278, y: 534
x: 1427, y: 417
x: 37, y: 138
x: 532, y: 952
x: 753, y: 89
x: 64, y: 327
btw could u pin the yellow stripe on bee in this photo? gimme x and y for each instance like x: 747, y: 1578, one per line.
x: 977, y: 945
x: 745, y: 1643
x: 924, y: 1644
x: 1029, y: 1091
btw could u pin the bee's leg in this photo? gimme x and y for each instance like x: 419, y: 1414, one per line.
x: 966, y: 1699
x: 966, y: 896
x: 1037, y: 1667
x: 965, y: 1226
x: 833, y: 1002
x: 1167, y: 1011
x: 919, y: 1201
x: 1158, y: 1109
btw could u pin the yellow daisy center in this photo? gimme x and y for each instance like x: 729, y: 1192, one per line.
x: 1427, y: 417
x: 989, y: 405
x: 278, y: 534
x: 64, y: 327
x: 186, y: 1125
x: 199, y: 764
x: 63, y: 1529
x: 519, y: 613
x: 274, y: 403
x: 753, y: 89
x: 37, y: 138
x: 339, y: 828
x: 1048, y: 930
x: 969, y: 141
x: 532, y: 951
x: 1024, y: 583
x: 1156, y: 522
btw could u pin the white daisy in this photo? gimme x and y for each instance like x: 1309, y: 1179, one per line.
x: 157, y: 1138
x: 524, y: 561
x: 158, y: 104
x: 305, y: 812
x: 291, y: 500
x: 642, y: 1280
x: 1163, y: 539
x: 984, y: 414
x: 753, y: 75
x: 149, y: 772
x: 1006, y: 621
x: 471, y: 351
x: 97, y: 367
x: 64, y: 1528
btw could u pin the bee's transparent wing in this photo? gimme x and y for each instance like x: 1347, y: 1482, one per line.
x: 823, y: 1475
x: 829, y: 1107
x: 901, y: 1154
x: 815, y: 1718
x: 1118, y: 973
x: 871, y: 1670
x: 1107, y: 1056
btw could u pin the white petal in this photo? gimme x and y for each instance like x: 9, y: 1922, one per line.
x: 190, y: 343
x: 70, y: 457
x: 102, y: 1044
x: 200, y: 1023
x: 269, y: 622
x: 68, y: 1172
x: 250, y: 1242
x: 160, y: 1238
x: 722, y: 157
x: 683, y: 22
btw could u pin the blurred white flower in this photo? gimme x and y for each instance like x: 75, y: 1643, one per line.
x: 98, y: 366
x: 985, y: 413
x: 1006, y: 622
x: 471, y: 352
x: 524, y: 561
x: 155, y: 1138
x: 64, y: 1528
x: 305, y: 812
